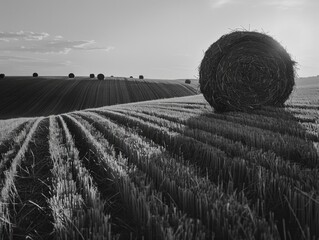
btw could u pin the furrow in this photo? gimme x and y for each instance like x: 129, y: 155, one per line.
x: 21, y: 192
x: 78, y: 210
x: 193, y: 194
x: 33, y: 214
x: 155, y: 219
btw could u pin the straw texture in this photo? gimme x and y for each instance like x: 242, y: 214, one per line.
x: 245, y: 70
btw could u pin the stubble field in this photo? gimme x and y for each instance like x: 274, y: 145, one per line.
x: 163, y: 169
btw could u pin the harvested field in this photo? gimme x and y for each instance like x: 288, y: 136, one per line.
x: 162, y: 169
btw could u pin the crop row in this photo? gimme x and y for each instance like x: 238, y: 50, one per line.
x: 46, y: 192
x: 287, y: 123
x: 10, y: 166
x: 296, y: 146
x: 195, y: 195
x: 291, y: 203
x: 234, y: 149
x: 76, y: 204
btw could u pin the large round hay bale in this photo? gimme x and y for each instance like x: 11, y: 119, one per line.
x: 245, y: 70
x: 35, y: 74
x: 2, y: 75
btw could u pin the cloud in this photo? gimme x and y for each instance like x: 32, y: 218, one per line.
x: 15, y: 58
x: 43, y: 43
x: 58, y: 46
x: 16, y: 36
x: 219, y: 3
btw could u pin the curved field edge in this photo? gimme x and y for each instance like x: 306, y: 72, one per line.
x: 29, y: 97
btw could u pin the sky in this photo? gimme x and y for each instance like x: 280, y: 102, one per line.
x: 156, y: 38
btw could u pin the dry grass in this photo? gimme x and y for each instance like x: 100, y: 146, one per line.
x: 246, y: 70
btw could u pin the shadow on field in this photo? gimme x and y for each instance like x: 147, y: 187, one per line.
x: 266, y: 140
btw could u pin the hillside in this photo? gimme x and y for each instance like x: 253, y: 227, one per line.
x: 163, y: 169
x: 43, y: 96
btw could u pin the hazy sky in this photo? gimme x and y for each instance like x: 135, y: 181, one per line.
x: 156, y: 38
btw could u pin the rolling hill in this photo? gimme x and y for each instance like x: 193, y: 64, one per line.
x: 43, y: 96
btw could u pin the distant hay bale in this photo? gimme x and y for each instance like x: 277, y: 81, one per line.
x: 71, y: 75
x: 131, y: 76
x: 35, y: 74
x: 188, y: 81
x: 100, y: 76
x: 141, y: 77
x: 2, y: 75
x: 245, y: 70
x: 92, y: 75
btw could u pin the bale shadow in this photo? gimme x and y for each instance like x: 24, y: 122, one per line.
x: 269, y: 154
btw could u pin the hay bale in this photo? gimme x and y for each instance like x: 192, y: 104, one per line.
x: 100, y: 76
x: 71, y: 75
x: 35, y: 74
x: 141, y: 77
x: 188, y: 81
x: 92, y: 75
x: 245, y: 70
x: 2, y: 75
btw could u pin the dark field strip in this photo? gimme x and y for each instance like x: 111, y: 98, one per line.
x: 21, y: 97
x: 262, y: 185
x: 32, y: 215
x: 12, y: 200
